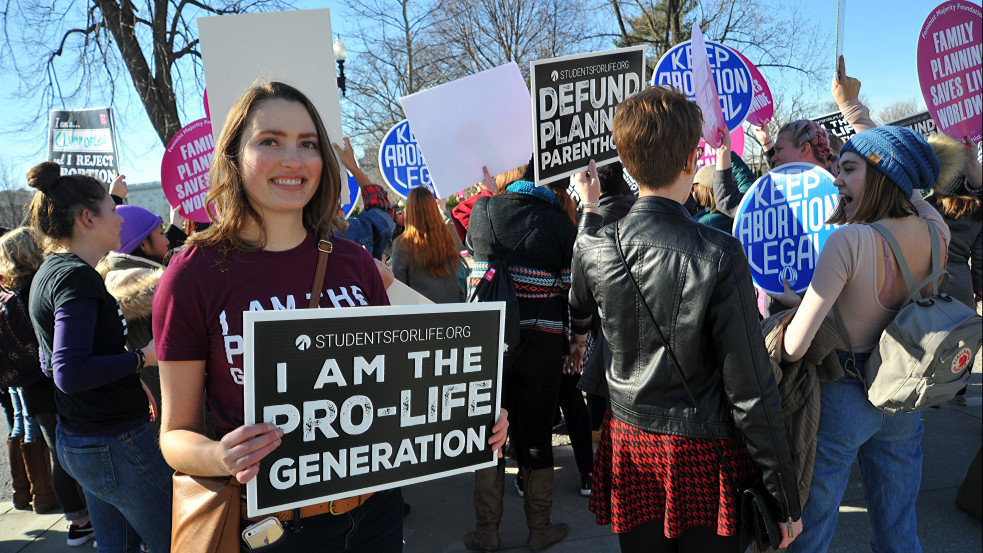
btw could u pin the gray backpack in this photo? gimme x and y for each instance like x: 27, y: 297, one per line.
x: 926, y: 354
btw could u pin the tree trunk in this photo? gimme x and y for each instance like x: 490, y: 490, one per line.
x: 156, y: 91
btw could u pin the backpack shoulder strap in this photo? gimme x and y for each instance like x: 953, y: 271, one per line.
x: 914, y: 289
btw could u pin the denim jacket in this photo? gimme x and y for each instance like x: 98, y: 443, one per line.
x: 372, y: 229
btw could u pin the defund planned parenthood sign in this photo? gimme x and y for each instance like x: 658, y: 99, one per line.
x: 782, y: 223
x: 734, y: 82
x: 573, y: 103
x: 83, y: 142
x: 401, y: 161
x: 370, y: 398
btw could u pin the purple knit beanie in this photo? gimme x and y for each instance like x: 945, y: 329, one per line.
x: 138, y: 223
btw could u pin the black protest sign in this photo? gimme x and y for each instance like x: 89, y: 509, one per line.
x: 920, y: 123
x: 83, y: 142
x: 834, y: 123
x: 370, y: 398
x: 573, y: 104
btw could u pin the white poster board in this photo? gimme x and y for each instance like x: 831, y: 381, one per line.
x: 401, y: 294
x: 482, y: 119
x: 293, y: 47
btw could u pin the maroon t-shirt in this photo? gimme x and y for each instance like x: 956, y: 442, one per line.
x: 199, y: 303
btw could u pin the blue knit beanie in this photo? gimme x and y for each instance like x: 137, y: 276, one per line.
x: 900, y: 153
x: 138, y: 223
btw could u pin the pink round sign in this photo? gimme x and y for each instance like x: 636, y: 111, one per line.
x: 710, y: 154
x: 762, y: 106
x: 950, y: 69
x: 184, y: 169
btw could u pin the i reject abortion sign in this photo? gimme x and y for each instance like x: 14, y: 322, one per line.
x: 782, y: 224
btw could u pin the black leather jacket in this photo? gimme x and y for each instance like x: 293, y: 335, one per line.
x: 696, y: 281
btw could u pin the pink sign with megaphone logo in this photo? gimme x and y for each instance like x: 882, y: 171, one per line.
x: 184, y: 169
x: 762, y: 105
x: 950, y: 69
x: 710, y: 154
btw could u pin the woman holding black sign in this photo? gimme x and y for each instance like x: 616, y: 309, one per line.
x: 275, y: 184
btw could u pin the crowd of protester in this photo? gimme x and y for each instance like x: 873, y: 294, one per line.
x: 640, y: 328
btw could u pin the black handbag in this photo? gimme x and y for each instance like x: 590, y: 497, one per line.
x: 757, y: 521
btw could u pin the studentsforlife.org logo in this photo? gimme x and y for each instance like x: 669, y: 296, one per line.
x: 303, y: 342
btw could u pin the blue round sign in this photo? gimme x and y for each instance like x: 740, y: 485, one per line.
x: 353, y: 191
x: 734, y: 83
x: 401, y: 161
x: 782, y: 223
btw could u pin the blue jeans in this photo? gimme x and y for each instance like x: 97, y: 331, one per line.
x: 375, y: 527
x: 127, y: 486
x: 24, y: 423
x: 889, y: 450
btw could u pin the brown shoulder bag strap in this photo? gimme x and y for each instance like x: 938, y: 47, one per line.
x: 324, y: 248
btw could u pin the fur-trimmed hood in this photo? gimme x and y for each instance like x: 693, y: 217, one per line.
x: 132, y: 281
x: 952, y: 159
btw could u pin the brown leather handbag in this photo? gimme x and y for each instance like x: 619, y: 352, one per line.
x: 205, y: 514
x: 205, y: 509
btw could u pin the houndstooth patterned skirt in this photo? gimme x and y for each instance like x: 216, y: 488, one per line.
x: 640, y: 476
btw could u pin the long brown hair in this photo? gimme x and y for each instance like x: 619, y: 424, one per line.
x: 427, y: 239
x: 231, y: 206
x: 880, y: 198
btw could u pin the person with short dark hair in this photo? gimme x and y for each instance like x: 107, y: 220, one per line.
x: 658, y: 478
x: 616, y: 195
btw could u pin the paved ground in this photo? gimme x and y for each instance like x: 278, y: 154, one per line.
x: 442, y: 511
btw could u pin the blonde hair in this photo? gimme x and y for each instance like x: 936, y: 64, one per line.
x: 229, y: 194
x: 20, y: 258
